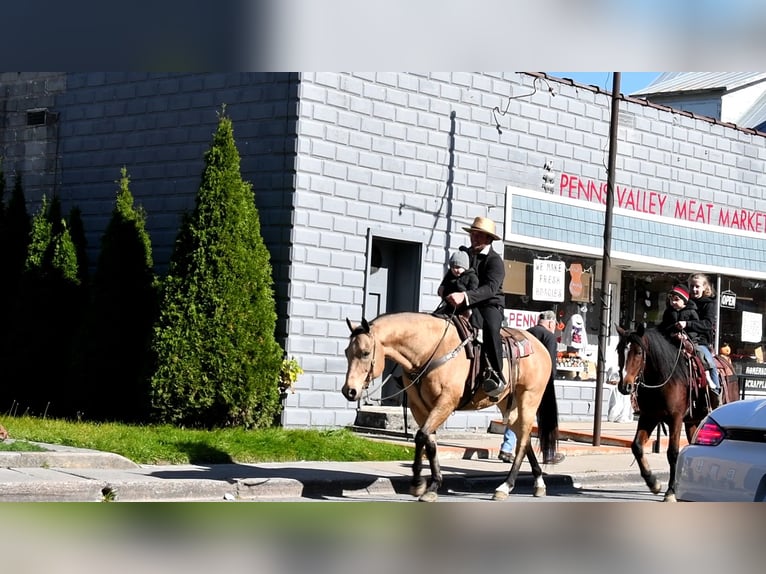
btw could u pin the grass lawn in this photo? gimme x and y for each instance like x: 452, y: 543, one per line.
x: 164, y: 444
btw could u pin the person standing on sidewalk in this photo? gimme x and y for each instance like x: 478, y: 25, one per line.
x: 545, y: 332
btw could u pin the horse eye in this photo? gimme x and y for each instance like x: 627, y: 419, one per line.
x: 365, y: 354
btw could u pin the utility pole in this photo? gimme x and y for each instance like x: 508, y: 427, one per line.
x: 606, y: 294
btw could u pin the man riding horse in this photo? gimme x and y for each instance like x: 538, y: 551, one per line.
x: 486, y: 300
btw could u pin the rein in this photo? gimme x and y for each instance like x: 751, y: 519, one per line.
x: 416, y: 374
x: 640, y: 382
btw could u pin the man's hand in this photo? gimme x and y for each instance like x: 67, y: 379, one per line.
x: 455, y: 299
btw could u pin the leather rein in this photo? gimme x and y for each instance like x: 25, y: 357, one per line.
x: 416, y: 374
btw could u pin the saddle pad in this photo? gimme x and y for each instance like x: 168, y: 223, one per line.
x: 516, y: 344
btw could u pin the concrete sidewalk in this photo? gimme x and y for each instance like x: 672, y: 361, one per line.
x: 469, y: 463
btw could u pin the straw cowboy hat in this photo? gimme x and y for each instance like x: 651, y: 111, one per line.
x: 484, y: 225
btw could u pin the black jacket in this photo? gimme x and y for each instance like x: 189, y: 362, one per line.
x: 465, y: 282
x: 549, y: 340
x: 491, y: 271
x: 704, y: 325
x: 672, y: 316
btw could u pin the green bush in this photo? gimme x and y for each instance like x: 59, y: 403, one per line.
x: 123, y: 309
x: 218, y: 362
x: 49, y: 305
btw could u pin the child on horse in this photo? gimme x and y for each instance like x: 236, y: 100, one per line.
x: 678, y: 311
x: 459, y: 277
x: 679, y: 322
x: 703, y: 296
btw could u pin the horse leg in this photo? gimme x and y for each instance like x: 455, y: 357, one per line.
x: 674, y: 437
x: 427, y: 438
x: 418, y: 484
x: 523, y: 428
x: 644, y: 430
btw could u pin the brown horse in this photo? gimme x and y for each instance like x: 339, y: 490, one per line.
x: 658, y: 371
x: 437, y: 382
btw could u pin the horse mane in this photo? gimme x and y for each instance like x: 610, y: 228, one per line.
x: 663, y: 354
x: 365, y: 327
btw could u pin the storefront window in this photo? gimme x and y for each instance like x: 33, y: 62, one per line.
x: 539, y: 281
x: 742, y: 307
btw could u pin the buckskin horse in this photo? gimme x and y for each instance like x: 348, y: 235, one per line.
x: 666, y: 392
x: 438, y: 380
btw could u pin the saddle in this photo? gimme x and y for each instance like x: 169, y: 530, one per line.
x: 697, y: 365
x: 515, y: 346
x: 729, y: 380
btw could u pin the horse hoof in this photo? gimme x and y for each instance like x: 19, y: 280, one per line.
x: 540, y: 491
x: 669, y: 497
x: 655, y: 486
x: 500, y: 495
x: 429, y: 497
x: 417, y: 490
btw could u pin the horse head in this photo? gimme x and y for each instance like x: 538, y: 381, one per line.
x: 631, y: 355
x: 365, y: 360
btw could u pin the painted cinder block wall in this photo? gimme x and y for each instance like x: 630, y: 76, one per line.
x: 375, y: 152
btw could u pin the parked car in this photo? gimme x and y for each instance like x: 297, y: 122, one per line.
x: 726, y: 460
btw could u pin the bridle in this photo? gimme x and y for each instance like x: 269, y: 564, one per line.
x: 416, y: 374
x: 639, y: 380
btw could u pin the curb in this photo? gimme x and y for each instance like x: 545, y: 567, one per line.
x: 276, y: 489
x: 59, y: 456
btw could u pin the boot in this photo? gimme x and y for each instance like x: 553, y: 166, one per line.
x: 493, y: 383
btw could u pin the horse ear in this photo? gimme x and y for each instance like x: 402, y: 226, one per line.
x: 620, y: 331
x: 350, y: 326
x: 365, y: 325
x: 640, y: 330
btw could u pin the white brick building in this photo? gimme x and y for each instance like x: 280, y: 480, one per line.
x: 364, y: 181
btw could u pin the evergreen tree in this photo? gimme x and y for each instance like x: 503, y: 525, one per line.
x: 218, y: 361
x: 15, y: 237
x: 14, y: 242
x: 77, y: 231
x: 49, y: 317
x: 122, y: 312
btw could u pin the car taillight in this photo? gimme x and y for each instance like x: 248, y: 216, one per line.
x: 709, y: 433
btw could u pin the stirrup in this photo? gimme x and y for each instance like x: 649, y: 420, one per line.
x: 493, y: 384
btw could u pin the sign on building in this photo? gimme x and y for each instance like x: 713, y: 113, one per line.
x: 728, y: 300
x: 752, y: 327
x: 548, y: 280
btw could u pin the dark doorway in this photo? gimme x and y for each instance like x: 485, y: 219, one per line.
x: 393, y: 285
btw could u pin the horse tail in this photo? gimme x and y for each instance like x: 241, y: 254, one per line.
x: 548, y: 422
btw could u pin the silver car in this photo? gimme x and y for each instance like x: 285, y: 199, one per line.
x: 726, y: 460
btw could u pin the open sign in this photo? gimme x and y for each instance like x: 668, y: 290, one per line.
x: 728, y: 300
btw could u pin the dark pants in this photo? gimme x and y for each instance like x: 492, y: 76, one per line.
x: 490, y: 319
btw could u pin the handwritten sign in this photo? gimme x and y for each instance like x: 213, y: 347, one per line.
x: 752, y: 327
x: 548, y: 280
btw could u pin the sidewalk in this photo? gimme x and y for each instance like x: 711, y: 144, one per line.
x: 469, y: 463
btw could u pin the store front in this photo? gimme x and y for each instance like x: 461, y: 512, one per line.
x: 553, y: 247
x: 538, y: 281
x: 741, y: 310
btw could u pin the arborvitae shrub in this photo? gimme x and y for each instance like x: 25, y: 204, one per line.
x: 217, y: 358
x: 49, y: 318
x: 77, y: 231
x: 14, y: 240
x: 122, y: 312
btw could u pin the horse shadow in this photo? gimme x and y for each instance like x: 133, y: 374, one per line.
x: 319, y: 480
